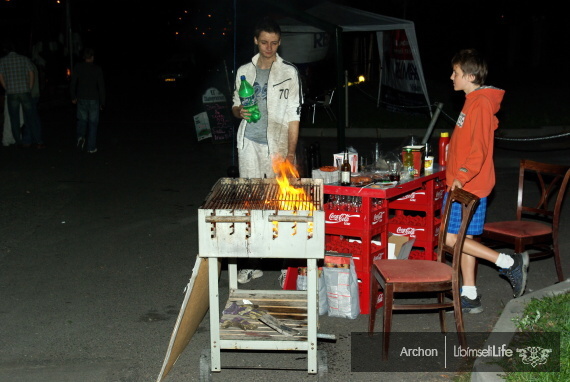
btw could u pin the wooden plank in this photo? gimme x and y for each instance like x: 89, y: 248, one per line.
x: 290, y: 309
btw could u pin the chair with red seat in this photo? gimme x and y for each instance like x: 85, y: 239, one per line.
x: 537, y: 215
x: 425, y: 276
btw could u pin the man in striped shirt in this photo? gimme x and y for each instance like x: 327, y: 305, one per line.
x: 17, y: 78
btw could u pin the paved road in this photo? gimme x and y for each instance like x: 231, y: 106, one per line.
x: 95, y: 251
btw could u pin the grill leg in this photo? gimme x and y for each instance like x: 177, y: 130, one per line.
x: 232, y: 273
x: 312, y: 315
x: 214, y: 313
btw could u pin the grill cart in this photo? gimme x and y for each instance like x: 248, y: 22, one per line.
x: 256, y: 218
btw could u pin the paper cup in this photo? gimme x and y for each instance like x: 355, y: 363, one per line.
x: 428, y: 163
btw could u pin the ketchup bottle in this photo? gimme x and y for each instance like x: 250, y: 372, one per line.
x: 443, y: 144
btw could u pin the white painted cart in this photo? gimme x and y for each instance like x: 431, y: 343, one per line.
x: 262, y: 233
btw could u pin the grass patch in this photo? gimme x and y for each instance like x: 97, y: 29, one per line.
x: 550, y: 314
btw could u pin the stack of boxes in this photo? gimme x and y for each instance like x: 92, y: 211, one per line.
x: 410, y: 215
x: 360, y: 231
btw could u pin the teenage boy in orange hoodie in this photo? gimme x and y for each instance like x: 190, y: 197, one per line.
x: 470, y: 166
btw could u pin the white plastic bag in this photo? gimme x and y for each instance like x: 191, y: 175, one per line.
x: 342, y: 285
x: 302, y: 285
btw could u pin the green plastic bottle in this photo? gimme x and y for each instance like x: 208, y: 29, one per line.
x: 247, y: 97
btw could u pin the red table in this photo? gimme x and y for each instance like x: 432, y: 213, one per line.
x: 382, y: 211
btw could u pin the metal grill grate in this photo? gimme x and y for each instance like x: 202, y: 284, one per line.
x: 263, y: 194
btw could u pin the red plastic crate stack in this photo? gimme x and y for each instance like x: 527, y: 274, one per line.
x: 364, y: 215
x: 353, y: 245
x: 362, y: 262
x: 351, y: 230
x: 415, y: 227
x: 428, y: 202
x: 418, y: 200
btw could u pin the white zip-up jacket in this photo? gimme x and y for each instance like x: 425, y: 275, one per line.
x: 284, y: 100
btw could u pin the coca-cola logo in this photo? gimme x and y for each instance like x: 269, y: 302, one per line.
x: 343, y: 218
x: 412, y: 196
x: 409, y: 196
x: 378, y: 217
x: 407, y: 230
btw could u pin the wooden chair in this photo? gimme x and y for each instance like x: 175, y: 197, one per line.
x: 419, y: 276
x: 543, y: 207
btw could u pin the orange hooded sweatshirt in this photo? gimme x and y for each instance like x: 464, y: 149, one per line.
x: 470, y: 151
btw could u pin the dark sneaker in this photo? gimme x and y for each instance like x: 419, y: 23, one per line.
x: 517, y: 273
x: 471, y: 306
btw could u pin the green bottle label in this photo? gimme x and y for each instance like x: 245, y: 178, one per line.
x: 248, y: 101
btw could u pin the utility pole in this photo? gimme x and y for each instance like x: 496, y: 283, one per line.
x: 69, y: 33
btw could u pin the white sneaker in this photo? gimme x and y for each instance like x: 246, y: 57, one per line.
x: 282, y: 277
x: 246, y: 275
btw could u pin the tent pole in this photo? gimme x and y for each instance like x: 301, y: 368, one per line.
x: 346, y: 95
x: 369, y: 58
x: 379, y: 85
x: 379, y: 41
x: 342, y: 95
x: 432, y: 123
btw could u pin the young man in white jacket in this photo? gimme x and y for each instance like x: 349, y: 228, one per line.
x: 277, y: 87
x: 279, y: 97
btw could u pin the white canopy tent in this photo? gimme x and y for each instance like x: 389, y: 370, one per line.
x: 356, y: 20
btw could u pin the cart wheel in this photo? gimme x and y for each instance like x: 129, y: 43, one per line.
x: 205, y: 364
x: 322, y: 366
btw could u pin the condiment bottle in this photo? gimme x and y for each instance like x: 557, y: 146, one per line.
x: 443, y: 144
x: 345, y: 171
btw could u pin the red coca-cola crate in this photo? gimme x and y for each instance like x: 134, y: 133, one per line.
x: 416, y: 199
x: 361, y: 254
x: 355, y: 220
x: 363, y: 262
x: 347, y: 244
x: 364, y: 292
x: 418, y: 231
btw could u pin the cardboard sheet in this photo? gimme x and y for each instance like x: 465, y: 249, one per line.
x: 192, y: 312
x: 399, y: 247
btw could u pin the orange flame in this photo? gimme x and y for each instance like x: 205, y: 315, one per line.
x: 290, y: 198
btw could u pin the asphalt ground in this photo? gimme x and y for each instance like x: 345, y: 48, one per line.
x: 96, y: 250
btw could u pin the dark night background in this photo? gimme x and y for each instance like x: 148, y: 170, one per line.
x: 95, y: 250
x: 135, y: 40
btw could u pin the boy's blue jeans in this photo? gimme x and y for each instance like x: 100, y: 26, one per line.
x: 87, y: 121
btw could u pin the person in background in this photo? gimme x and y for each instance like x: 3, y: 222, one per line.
x: 279, y: 97
x: 17, y: 77
x: 88, y: 93
x: 26, y: 133
x: 470, y: 167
